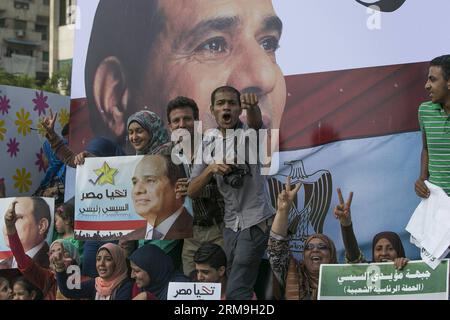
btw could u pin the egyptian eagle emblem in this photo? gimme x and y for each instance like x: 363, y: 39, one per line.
x: 309, y: 216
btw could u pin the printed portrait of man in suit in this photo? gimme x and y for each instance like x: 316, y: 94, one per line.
x: 33, y: 224
x: 155, y: 200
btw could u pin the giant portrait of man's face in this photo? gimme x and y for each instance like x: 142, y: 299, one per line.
x: 181, y: 47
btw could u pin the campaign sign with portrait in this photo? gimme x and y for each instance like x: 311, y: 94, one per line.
x: 34, y: 224
x: 381, y: 281
x: 131, y: 198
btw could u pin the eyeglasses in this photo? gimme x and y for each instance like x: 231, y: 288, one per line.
x: 320, y: 246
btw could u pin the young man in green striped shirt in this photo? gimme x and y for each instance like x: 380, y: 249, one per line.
x: 434, y: 119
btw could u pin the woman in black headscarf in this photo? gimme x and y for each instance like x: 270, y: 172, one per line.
x: 152, y: 270
x: 386, y: 246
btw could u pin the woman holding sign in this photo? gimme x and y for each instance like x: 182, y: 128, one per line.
x: 299, y: 281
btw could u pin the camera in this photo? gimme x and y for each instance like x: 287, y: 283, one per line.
x: 235, y: 178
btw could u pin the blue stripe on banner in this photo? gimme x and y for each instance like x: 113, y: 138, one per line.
x: 381, y: 171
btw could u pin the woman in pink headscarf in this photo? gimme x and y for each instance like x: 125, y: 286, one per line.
x: 112, y: 283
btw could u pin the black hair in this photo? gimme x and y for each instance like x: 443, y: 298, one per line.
x: 444, y: 63
x: 180, y: 103
x: 126, y: 30
x: 174, y: 171
x: 28, y: 286
x: 41, y: 210
x: 211, y: 254
x: 65, y: 130
x: 4, y: 281
x: 225, y: 89
x: 67, y: 211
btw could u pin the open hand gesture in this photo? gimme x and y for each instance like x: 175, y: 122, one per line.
x: 49, y: 122
x: 60, y: 262
x: 79, y: 158
x: 287, y: 196
x: 342, y: 210
x: 249, y: 100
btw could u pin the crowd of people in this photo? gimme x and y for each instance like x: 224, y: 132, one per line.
x: 234, y: 225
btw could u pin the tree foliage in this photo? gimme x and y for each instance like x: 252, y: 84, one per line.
x: 59, y: 82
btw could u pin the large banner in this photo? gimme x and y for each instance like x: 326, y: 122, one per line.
x: 381, y: 281
x: 130, y: 197
x: 23, y: 159
x: 35, y: 220
x: 341, y: 80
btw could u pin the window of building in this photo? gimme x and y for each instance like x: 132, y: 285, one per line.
x: 16, y: 50
x: 45, y: 56
x: 46, y: 2
x: 2, y: 22
x: 67, y: 11
x: 20, y: 24
x: 62, y: 12
x: 43, y: 29
x: 22, y: 5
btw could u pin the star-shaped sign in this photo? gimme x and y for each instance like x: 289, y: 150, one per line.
x: 105, y: 174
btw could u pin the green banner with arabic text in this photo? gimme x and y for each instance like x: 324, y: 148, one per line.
x: 382, y: 281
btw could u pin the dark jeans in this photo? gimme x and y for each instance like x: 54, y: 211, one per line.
x: 244, y: 250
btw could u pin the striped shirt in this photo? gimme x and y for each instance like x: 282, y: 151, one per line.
x: 435, y: 123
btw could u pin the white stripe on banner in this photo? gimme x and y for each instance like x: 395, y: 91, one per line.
x: 323, y: 35
x: 381, y: 172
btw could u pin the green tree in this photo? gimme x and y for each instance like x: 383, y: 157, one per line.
x: 59, y: 82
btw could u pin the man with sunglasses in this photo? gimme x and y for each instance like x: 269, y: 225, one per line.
x: 434, y: 119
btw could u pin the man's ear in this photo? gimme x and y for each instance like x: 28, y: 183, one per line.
x: 43, y: 226
x: 222, y: 271
x: 111, y: 91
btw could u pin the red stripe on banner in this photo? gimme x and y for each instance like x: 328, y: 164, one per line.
x: 109, y: 225
x: 5, y: 254
x: 338, y: 105
x: 327, y: 106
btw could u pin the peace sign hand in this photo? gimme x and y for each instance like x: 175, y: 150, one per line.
x: 342, y: 210
x: 287, y: 196
x: 49, y: 122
